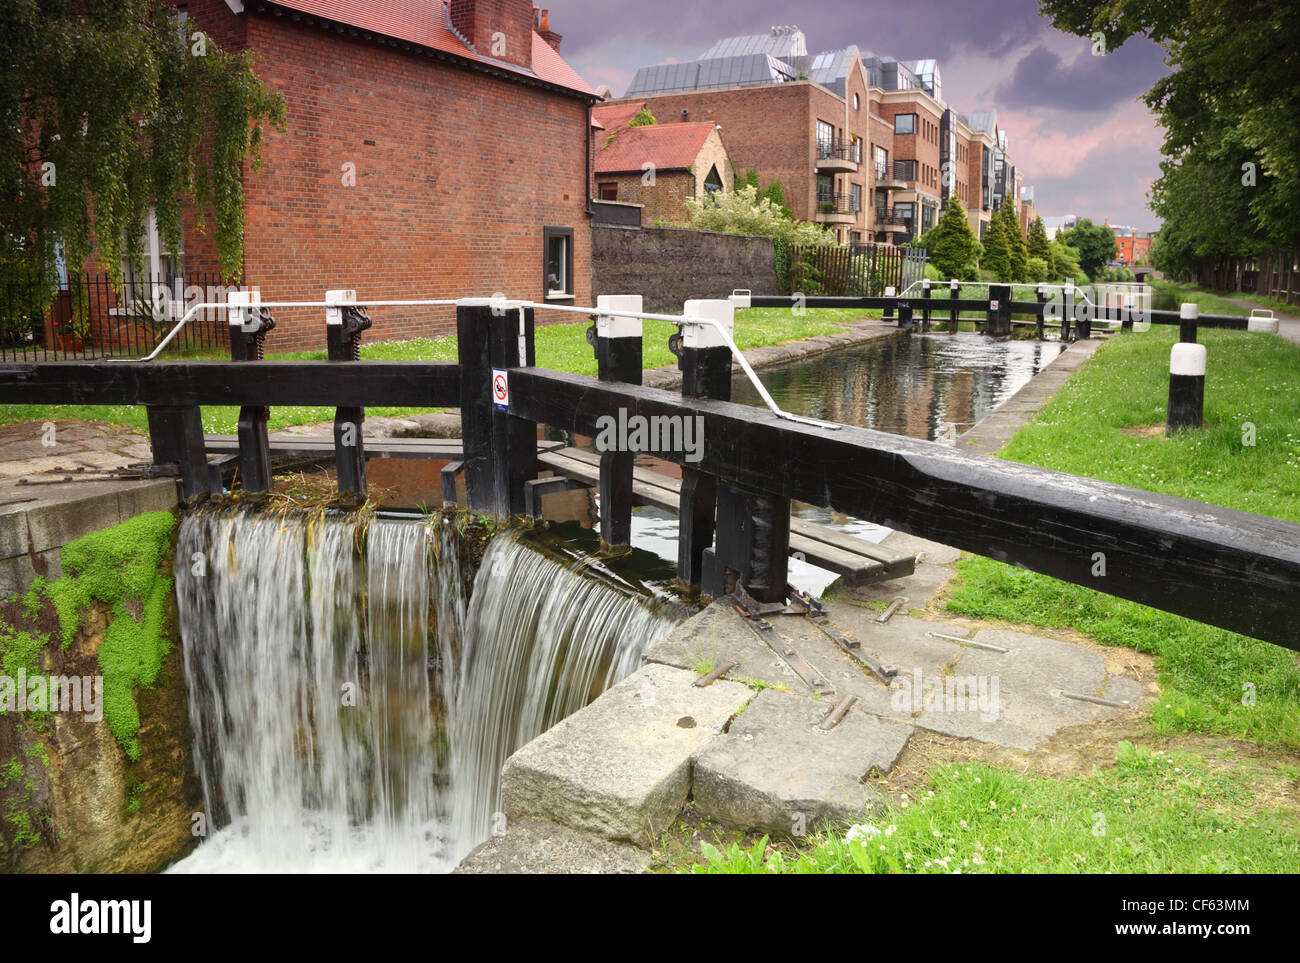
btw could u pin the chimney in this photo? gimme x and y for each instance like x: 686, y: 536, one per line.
x: 544, y: 29
x: 496, y: 29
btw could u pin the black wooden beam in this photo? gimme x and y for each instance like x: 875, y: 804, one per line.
x: 1215, y: 565
x: 185, y: 383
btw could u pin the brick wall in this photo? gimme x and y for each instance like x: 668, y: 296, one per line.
x: 454, y: 175
x: 763, y: 128
x: 669, y: 265
x: 663, y: 202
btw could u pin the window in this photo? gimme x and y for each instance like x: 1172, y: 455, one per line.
x: 857, y: 102
x: 855, y: 197
x: 905, y: 123
x: 825, y: 138
x: 905, y: 212
x: 927, y: 218
x: 558, y: 246
x: 904, y: 170
x: 882, y: 163
x: 713, y: 180
x: 160, y: 262
x: 609, y: 191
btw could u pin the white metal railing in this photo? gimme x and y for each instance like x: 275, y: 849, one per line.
x: 506, y: 304
x: 946, y: 285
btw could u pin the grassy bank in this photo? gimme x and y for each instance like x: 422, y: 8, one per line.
x: 1247, y: 457
x: 1215, y: 806
x: 561, y: 347
x: 1208, y: 301
x: 1149, y: 812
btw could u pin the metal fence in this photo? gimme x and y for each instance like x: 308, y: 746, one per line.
x: 858, y: 271
x: 87, y: 317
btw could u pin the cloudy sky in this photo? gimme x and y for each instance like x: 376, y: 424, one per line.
x: 1076, y: 126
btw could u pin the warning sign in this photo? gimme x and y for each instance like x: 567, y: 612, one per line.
x: 500, y: 390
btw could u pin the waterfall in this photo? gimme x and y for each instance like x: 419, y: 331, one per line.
x: 541, y: 641
x: 352, y: 707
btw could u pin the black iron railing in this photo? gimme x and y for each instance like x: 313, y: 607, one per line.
x: 835, y: 203
x: 849, y: 150
x: 86, y: 316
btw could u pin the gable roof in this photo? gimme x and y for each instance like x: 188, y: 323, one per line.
x: 427, y: 23
x: 615, y: 116
x: 666, y: 146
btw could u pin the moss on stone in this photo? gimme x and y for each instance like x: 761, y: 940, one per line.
x: 120, y: 567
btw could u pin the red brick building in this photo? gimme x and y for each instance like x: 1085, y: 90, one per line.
x: 432, y: 150
x: 864, y: 144
x: 657, y: 166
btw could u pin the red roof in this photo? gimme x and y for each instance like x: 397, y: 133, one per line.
x: 425, y: 22
x: 614, y: 116
x: 666, y: 146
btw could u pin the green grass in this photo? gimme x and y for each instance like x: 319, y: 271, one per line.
x: 1204, y: 670
x: 561, y: 347
x: 1150, y: 812
x: 1208, y: 302
x: 1190, y: 292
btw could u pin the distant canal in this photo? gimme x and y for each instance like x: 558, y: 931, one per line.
x: 925, y: 386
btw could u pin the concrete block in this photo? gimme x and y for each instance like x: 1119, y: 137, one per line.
x: 776, y: 771
x: 621, y: 767
x: 536, y: 846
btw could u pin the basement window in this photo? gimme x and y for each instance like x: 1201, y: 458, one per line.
x: 558, y: 263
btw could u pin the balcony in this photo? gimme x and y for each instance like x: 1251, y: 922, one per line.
x: 891, y: 219
x: 835, y: 209
x: 886, y: 179
x: 839, y: 157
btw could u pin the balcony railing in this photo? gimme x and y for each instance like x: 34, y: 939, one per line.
x: 840, y: 150
x: 840, y: 203
x: 893, y: 215
x: 905, y: 170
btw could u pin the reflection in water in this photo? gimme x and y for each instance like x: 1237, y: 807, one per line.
x: 924, y: 386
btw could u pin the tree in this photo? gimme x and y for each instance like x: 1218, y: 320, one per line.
x: 951, y: 245
x: 1017, y: 252
x: 775, y: 193
x: 1095, y: 244
x: 1228, y: 106
x: 1039, y: 247
x: 108, y: 110
x: 1065, y: 259
x: 997, y: 250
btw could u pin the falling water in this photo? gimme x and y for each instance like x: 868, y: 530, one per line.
x: 541, y: 641
x: 351, y: 708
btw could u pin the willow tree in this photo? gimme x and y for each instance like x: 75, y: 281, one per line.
x: 110, y: 109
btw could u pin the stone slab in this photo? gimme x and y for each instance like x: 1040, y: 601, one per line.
x: 776, y: 771
x: 621, y: 767
x: 719, y: 634
x: 537, y: 846
x: 1017, y: 696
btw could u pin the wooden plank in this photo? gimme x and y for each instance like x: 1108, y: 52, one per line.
x: 895, y: 564
x: 415, y: 384
x: 858, y: 560
x: 660, y: 491
x: 1217, y: 565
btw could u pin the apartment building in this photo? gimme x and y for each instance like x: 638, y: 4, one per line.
x: 862, y: 143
